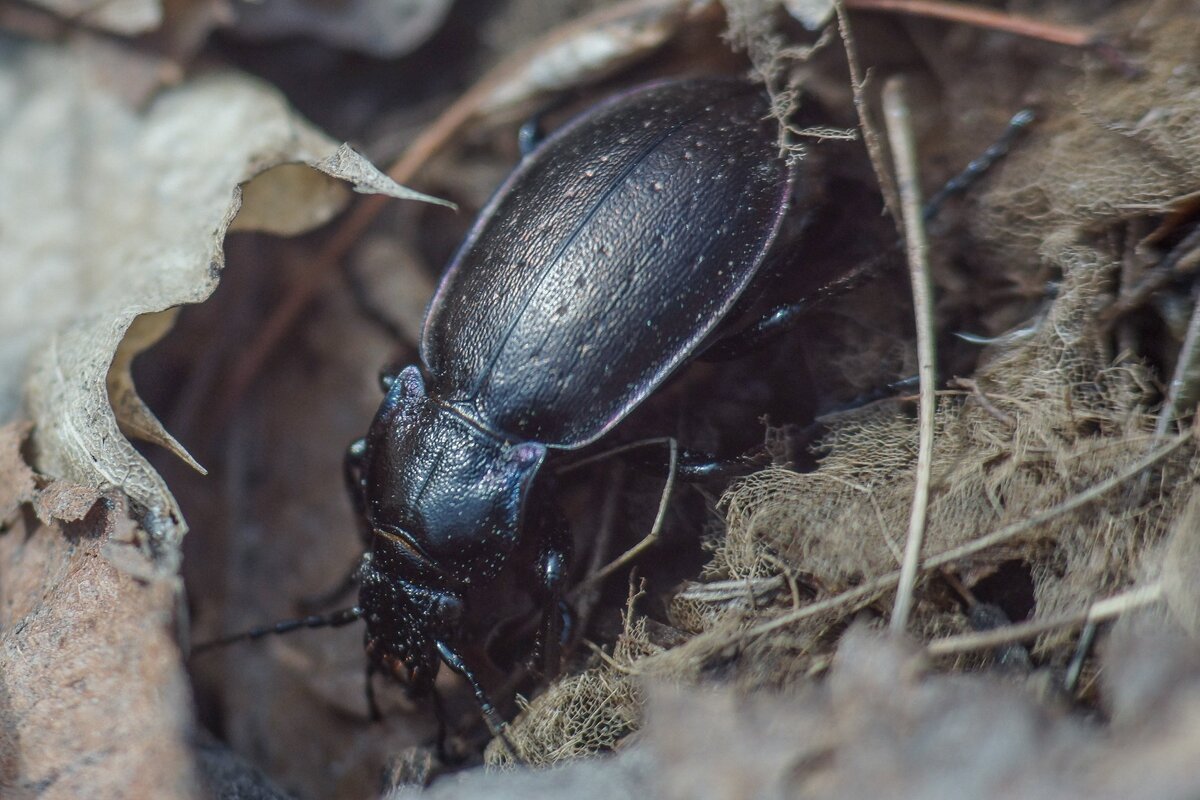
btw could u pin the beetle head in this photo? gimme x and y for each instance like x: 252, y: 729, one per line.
x: 443, y: 502
x: 406, y: 616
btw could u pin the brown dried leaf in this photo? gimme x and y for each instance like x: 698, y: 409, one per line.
x: 93, y: 698
x: 135, y: 419
x: 64, y: 501
x: 16, y: 478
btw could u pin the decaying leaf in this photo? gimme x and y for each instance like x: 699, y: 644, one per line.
x: 881, y: 726
x: 123, y: 214
x: 93, y: 697
x: 120, y: 16
x: 16, y: 478
x: 813, y: 14
x: 382, y: 28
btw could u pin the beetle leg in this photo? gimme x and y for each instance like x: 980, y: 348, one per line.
x: 352, y: 470
x: 980, y: 165
x: 556, y: 614
x: 548, y: 574
x: 692, y: 465
x: 783, y: 318
x: 372, y: 704
x: 455, y: 662
x: 531, y: 133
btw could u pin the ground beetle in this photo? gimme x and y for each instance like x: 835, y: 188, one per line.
x: 607, y: 260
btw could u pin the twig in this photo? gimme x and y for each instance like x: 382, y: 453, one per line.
x: 904, y: 154
x: 737, y: 589
x: 611, y: 452
x: 1100, y: 610
x: 1183, y: 259
x: 655, y: 529
x: 584, y: 595
x: 1069, y: 35
x: 858, y: 84
x: 1089, y: 495
x: 973, y: 387
x: 872, y: 588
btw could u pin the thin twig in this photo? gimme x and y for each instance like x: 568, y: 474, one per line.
x: 611, y: 452
x: 904, y: 154
x: 973, y: 387
x: 1080, y: 500
x: 655, y: 529
x: 584, y: 596
x: 874, y: 587
x: 1069, y: 35
x: 1183, y: 260
x: 858, y: 84
x: 1010, y: 634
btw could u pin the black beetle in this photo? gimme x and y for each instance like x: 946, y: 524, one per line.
x: 606, y: 260
x: 601, y: 265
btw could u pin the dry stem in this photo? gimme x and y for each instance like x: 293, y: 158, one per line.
x: 1137, y: 597
x: 904, y: 154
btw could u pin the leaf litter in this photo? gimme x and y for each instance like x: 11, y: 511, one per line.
x: 1058, y: 402
x: 1052, y: 410
x: 118, y: 218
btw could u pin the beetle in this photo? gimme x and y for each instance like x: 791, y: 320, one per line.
x: 609, y: 258
x: 605, y: 261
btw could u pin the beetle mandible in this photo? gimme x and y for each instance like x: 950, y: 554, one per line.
x: 604, y: 262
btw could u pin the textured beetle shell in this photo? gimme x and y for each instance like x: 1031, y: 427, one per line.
x: 463, y: 494
x: 605, y: 260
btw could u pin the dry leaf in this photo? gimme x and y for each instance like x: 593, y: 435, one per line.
x: 119, y: 16
x: 879, y: 728
x: 812, y: 14
x: 16, y: 478
x: 382, y: 28
x: 93, y: 698
x: 123, y: 214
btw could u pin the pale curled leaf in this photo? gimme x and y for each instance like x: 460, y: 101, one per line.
x: 118, y: 16
x: 366, y: 178
x: 269, y: 202
x: 812, y: 14
x: 122, y: 214
x: 134, y: 418
x: 586, y: 50
x: 382, y: 28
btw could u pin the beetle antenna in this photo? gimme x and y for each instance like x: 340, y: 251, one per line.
x: 980, y: 165
x: 335, y: 619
